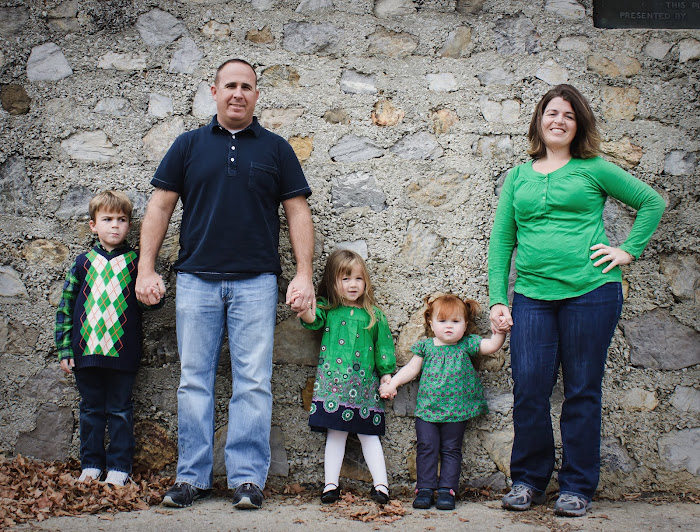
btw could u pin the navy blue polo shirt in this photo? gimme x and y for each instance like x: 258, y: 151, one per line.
x: 231, y: 186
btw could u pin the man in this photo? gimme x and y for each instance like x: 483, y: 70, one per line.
x: 231, y: 176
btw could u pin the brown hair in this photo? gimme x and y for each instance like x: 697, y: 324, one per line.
x: 110, y: 201
x: 443, y: 306
x: 586, y: 143
x: 339, y: 264
x: 236, y: 60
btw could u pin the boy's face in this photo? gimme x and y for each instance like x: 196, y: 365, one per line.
x: 111, y: 228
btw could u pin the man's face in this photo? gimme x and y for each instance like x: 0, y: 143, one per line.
x: 235, y: 94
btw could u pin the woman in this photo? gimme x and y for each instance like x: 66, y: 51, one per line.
x: 568, y: 293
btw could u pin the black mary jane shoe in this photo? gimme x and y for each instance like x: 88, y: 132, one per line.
x: 327, y: 497
x: 379, y: 496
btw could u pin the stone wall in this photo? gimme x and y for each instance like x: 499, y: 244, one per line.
x: 406, y: 116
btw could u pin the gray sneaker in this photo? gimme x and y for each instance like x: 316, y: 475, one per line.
x: 521, y: 498
x: 570, y: 505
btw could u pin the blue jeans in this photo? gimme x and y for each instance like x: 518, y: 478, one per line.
x: 442, y: 440
x: 574, y: 333
x: 247, y: 309
x: 105, y: 402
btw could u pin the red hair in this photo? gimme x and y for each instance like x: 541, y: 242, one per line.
x: 443, y: 306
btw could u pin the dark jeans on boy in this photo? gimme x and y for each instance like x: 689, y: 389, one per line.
x: 442, y: 440
x: 105, y: 402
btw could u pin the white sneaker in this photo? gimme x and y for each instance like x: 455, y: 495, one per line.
x: 90, y: 473
x: 116, y: 478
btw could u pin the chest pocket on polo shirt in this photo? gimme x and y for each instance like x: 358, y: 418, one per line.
x: 263, y: 179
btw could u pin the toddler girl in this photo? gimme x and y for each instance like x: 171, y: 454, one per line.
x: 448, y: 395
x: 357, y: 353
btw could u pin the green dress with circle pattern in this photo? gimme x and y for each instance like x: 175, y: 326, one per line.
x: 352, y: 359
x: 449, y: 389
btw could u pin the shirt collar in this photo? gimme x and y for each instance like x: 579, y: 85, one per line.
x: 255, y: 128
x: 122, y: 247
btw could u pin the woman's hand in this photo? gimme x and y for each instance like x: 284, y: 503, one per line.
x: 615, y: 256
x: 501, y: 320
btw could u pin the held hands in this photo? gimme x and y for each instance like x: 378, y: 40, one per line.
x: 67, y: 365
x: 149, y: 288
x: 387, y: 390
x: 301, y: 296
x: 501, y: 320
x: 615, y: 256
x: 308, y: 313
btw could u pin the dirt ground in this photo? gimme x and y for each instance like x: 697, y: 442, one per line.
x: 353, y: 512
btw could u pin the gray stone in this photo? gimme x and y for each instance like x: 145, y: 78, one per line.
x: 160, y: 105
x: 51, y: 438
x: 392, y: 43
x: 161, y: 136
x: 47, y: 63
x: 679, y: 449
x: 113, y: 106
x: 614, y: 457
x: 359, y: 189
x: 74, y: 204
x: 639, y: 400
x: 494, y: 482
x: 277, y: 118
x: 551, y: 73
x: 16, y: 194
x: 658, y: 341
x: 90, y: 146
x: 573, y: 44
x: 46, y: 386
x: 186, y: 57
x: 421, y: 145
x: 354, y: 465
x: 336, y: 116
x: 352, y: 148
x: 688, y: 50
x: 500, y: 404
x: 393, y: 8
x: 66, y: 9
x: 566, y: 8
x: 499, y: 445
x: 219, y: 465
x: 421, y: 245
x: 12, y: 20
x: 657, y: 48
x: 496, y: 76
x: 158, y: 28
x: 683, y: 274
x: 305, y: 38
x: 457, y: 42
x: 279, y: 465
x: 686, y: 399
x: 516, y: 35
x: 295, y: 345
x: 352, y: 82
x: 262, y: 5
x: 443, y: 82
x: 679, y: 162
x: 166, y: 351
x: 617, y: 221
x: 123, y: 62
x: 494, y: 147
x: 507, y: 111
x: 15, y: 99
x: 308, y: 6
x: 404, y: 404
x: 203, y: 105
x: 358, y: 246
x: 10, y: 284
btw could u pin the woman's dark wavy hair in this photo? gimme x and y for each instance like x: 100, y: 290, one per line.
x: 586, y: 143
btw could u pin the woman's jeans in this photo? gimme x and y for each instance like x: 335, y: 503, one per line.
x: 247, y: 309
x: 105, y: 402
x: 442, y: 440
x: 574, y: 333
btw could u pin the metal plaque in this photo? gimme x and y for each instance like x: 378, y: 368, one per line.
x: 646, y: 14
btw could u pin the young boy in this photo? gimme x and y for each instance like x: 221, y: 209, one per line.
x: 98, y: 337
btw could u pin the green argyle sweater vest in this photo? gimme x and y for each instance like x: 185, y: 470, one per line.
x: 107, y: 317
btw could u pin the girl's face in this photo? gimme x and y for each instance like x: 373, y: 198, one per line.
x: 448, y: 330
x: 352, y: 286
x: 558, y: 124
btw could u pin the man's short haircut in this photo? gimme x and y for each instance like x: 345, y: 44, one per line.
x: 235, y: 60
x: 110, y: 201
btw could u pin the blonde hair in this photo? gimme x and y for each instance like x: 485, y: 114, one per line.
x: 444, y: 306
x: 338, y: 265
x: 110, y: 201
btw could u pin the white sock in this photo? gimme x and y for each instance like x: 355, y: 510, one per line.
x: 90, y: 473
x: 333, y: 460
x: 374, y: 456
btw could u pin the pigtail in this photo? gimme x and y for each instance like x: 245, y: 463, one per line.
x: 472, y: 312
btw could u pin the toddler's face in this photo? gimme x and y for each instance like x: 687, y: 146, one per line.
x: 352, y: 285
x: 448, y: 330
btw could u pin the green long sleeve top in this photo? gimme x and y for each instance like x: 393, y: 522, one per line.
x: 554, y: 219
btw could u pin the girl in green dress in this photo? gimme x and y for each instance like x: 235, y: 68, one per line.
x: 449, y: 394
x: 357, y: 354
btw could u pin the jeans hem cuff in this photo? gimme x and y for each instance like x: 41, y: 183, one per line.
x: 577, y: 494
x: 197, y: 485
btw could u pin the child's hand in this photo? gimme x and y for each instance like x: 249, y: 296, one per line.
x: 67, y: 365
x: 387, y: 391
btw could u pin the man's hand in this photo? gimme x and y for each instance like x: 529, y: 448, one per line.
x: 300, y: 295
x: 149, y: 288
